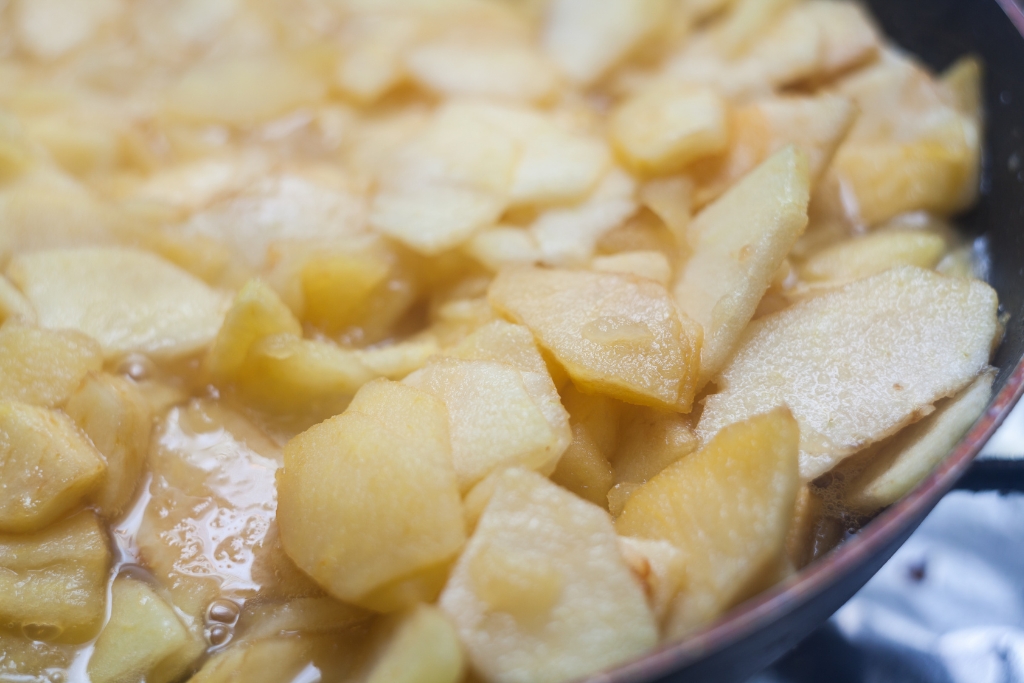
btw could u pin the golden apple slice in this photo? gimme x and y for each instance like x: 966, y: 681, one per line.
x: 143, y: 636
x: 898, y: 464
x: 614, y: 334
x: 738, y: 243
x: 727, y: 508
x: 54, y: 582
x: 391, y: 445
x: 850, y: 383
x: 46, y: 465
x: 420, y: 646
x: 117, y: 418
x: 44, y: 367
x: 872, y: 254
x: 541, y: 592
x: 130, y: 301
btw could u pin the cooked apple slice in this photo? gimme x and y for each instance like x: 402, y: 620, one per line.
x: 614, y: 334
x: 130, y: 301
x: 848, y: 383
x: 54, y: 582
x: 392, y: 444
x: 256, y: 312
x: 494, y: 420
x: 875, y: 253
x: 44, y: 367
x: 650, y: 440
x: 143, y: 640
x: 898, y: 464
x: 46, y: 465
x: 420, y: 646
x: 586, y: 41
x: 652, y: 265
x: 584, y: 468
x: 738, y: 243
x: 661, y: 568
x: 284, y: 658
x: 665, y: 127
x: 727, y: 508
x: 117, y: 418
x: 541, y: 592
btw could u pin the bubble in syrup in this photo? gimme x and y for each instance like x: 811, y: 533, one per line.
x: 41, y: 632
x: 136, y: 366
x: 222, y: 612
x: 219, y: 634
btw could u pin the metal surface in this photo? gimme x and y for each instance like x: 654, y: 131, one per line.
x: 761, y: 630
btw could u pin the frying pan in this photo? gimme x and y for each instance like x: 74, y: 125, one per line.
x: 760, y: 631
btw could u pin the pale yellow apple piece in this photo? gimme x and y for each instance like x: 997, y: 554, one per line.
x: 568, y: 236
x: 649, y: 441
x: 815, y: 125
x: 49, y: 29
x: 421, y: 646
x: 558, y: 167
x: 503, y: 70
x: 54, y: 582
x: 614, y: 334
x: 738, y: 244
x: 432, y: 218
x: 14, y: 305
x: 541, y: 592
x: 143, y: 636
x: 373, y: 49
x: 286, y: 374
x: 850, y: 384
x: 745, y: 21
x: 586, y: 41
x: 652, y: 265
x: 127, y: 300
x: 311, y: 615
x: 666, y: 127
x: 872, y: 254
x: 396, y: 361
x: 494, y: 420
x: 256, y: 312
x: 283, y: 658
x: 848, y: 35
x: 17, y: 154
x: 898, y: 464
x: 47, y: 467
x: 504, y: 246
x: 244, y: 91
x: 44, y: 367
x: 351, y: 469
x: 118, y: 419
x: 584, y: 468
x: 727, y: 508
x: 671, y: 200
x: 661, y: 568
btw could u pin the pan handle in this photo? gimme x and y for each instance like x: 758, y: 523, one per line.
x: 1003, y: 473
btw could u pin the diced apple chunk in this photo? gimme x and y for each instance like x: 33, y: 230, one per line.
x: 46, y: 467
x: 850, y: 384
x: 738, y: 243
x: 143, y: 636
x: 614, y: 334
x: 49, y: 29
x: 44, y: 367
x: 872, y: 254
x: 256, y: 312
x: 586, y: 41
x: 897, y: 465
x: 351, y: 469
x: 244, y: 91
x: 117, y: 418
x: 666, y: 127
x: 494, y: 419
x: 55, y: 582
x: 289, y: 375
x: 727, y: 508
x: 422, y: 647
x: 130, y: 301
x: 558, y: 167
x: 483, y: 68
x: 541, y: 592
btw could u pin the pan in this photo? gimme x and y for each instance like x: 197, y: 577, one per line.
x: 760, y: 631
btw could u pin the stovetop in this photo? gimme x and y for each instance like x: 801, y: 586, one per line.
x: 949, y: 606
